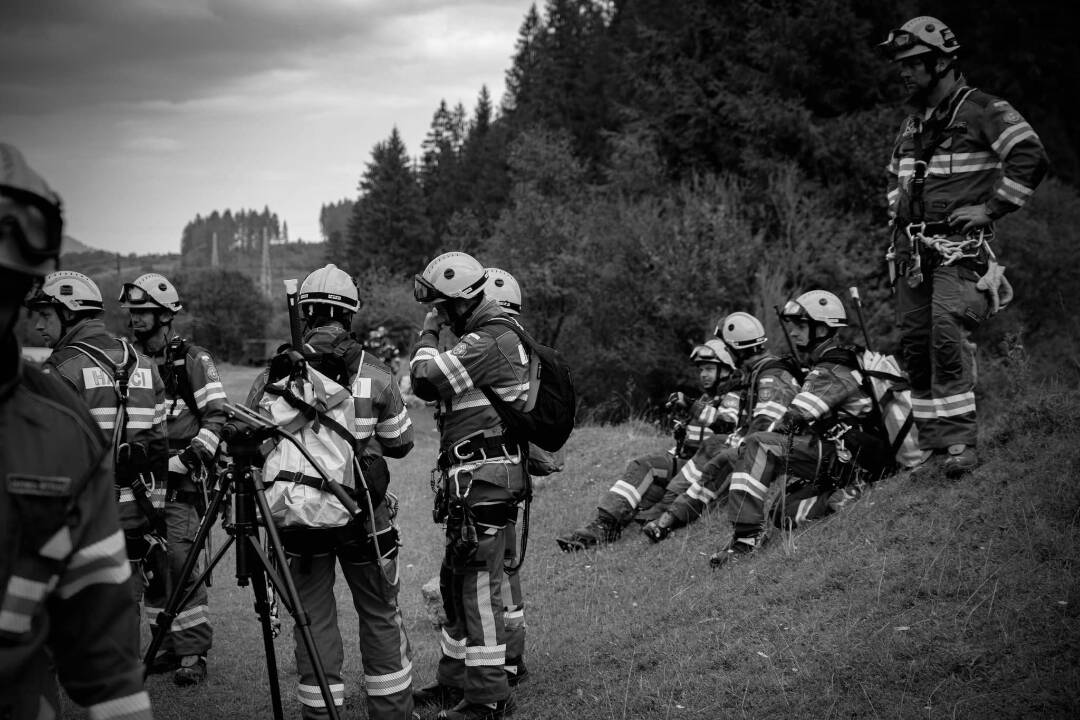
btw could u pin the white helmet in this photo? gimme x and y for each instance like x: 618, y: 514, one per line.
x: 713, y: 351
x: 820, y: 306
x: 504, y: 289
x: 150, y: 291
x: 919, y: 36
x: 31, y: 223
x: 330, y: 285
x: 741, y: 330
x: 68, y: 288
x: 451, y: 276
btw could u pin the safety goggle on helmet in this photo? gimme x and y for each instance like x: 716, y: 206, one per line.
x: 451, y: 276
x: 31, y: 219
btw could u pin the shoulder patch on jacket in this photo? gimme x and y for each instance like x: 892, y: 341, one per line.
x: 460, y: 349
x: 211, y: 369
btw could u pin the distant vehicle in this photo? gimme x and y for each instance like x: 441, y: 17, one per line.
x: 36, y: 355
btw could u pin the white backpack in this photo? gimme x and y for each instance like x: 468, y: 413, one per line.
x: 321, y: 414
x: 890, y: 389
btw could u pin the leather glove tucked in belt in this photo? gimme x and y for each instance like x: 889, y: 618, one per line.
x: 792, y: 423
x: 997, y: 286
x: 193, y: 458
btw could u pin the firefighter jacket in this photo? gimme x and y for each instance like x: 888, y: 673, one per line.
x: 710, y: 414
x: 491, y: 356
x: 95, y: 382
x: 977, y: 149
x: 383, y: 426
x: 768, y: 390
x: 64, y: 573
x: 833, y: 392
x: 194, y: 398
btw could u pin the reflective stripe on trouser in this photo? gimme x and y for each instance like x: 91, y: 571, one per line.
x: 190, y: 633
x: 811, y: 503
x: 474, y: 638
x: 935, y: 320
x: 689, y: 505
x: 513, y: 603
x: 642, y: 485
x: 759, y: 465
x: 384, y: 645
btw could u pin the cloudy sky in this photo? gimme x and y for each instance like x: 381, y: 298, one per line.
x: 143, y: 113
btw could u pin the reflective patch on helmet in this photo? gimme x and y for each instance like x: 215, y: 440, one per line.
x: 460, y: 349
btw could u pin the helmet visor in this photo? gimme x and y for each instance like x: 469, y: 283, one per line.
x: 37, y: 297
x: 425, y: 292
x: 34, y: 223
x: 794, y: 312
x: 134, y: 295
x: 902, y: 44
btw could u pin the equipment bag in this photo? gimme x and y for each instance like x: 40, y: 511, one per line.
x: 548, y: 416
x: 889, y: 387
x: 321, y: 414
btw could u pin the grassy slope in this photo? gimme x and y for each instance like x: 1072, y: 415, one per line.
x: 926, y: 599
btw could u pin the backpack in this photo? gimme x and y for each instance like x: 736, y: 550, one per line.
x: 885, y: 383
x: 548, y: 416
x: 320, y: 412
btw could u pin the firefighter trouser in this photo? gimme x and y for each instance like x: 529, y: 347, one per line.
x: 513, y: 602
x: 935, y: 320
x: 709, y: 485
x: 642, y: 486
x: 384, y: 646
x: 190, y: 633
x: 764, y: 459
x: 474, y: 638
x: 813, y: 501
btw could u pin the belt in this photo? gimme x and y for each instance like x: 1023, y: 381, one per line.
x: 477, y: 447
x: 189, y: 497
x: 940, y: 228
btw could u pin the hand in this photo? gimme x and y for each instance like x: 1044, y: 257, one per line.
x: 792, y: 423
x: 970, y: 217
x: 676, y: 399
x: 995, y: 284
x: 195, y: 457
x: 679, y: 431
x: 433, y: 321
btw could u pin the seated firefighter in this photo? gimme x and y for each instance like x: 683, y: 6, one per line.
x: 827, y: 438
x: 767, y: 386
x: 650, y: 479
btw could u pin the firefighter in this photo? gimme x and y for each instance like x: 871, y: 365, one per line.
x: 824, y: 437
x: 504, y: 289
x: 366, y: 550
x: 194, y: 405
x: 651, y: 482
x: 481, y: 478
x: 963, y: 158
x: 767, y: 386
x: 125, y: 395
x: 65, y: 607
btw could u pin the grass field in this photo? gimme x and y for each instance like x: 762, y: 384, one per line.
x: 926, y: 599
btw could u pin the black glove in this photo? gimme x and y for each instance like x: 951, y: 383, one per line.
x: 195, y: 457
x: 286, y: 363
x: 679, y: 432
x: 792, y: 423
x: 676, y: 400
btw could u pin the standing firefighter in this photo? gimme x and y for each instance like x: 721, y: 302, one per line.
x: 503, y: 288
x: 824, y: 438
x: 651, y: 482
x: 194, y: 404
x: 126, y: 397
x: 65, y: 606
x: 481, y: 478
x: 367, y: 548
x: 963, y: 159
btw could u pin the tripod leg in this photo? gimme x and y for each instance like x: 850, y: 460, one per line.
x: 176, y: 595
x: 262, y: 609
x: 285, y: 586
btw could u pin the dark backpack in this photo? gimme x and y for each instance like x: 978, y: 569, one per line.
x: 548, y: 416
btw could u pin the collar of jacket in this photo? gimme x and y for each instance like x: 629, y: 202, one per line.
x: 483, y: 313
x: 83, y: 332
x: 918, y: 109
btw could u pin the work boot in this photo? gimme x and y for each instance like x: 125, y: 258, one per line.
x: 192, y: 670
x: 929, y: 462
x: 740, y: 548
x: 480, y: 711
x: 960, y: 460
x: 438, y: 694
x: 603, y: 529
x: 659, y: 529
x: 515, y: 671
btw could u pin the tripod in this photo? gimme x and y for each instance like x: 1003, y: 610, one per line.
x: 245, y: 432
